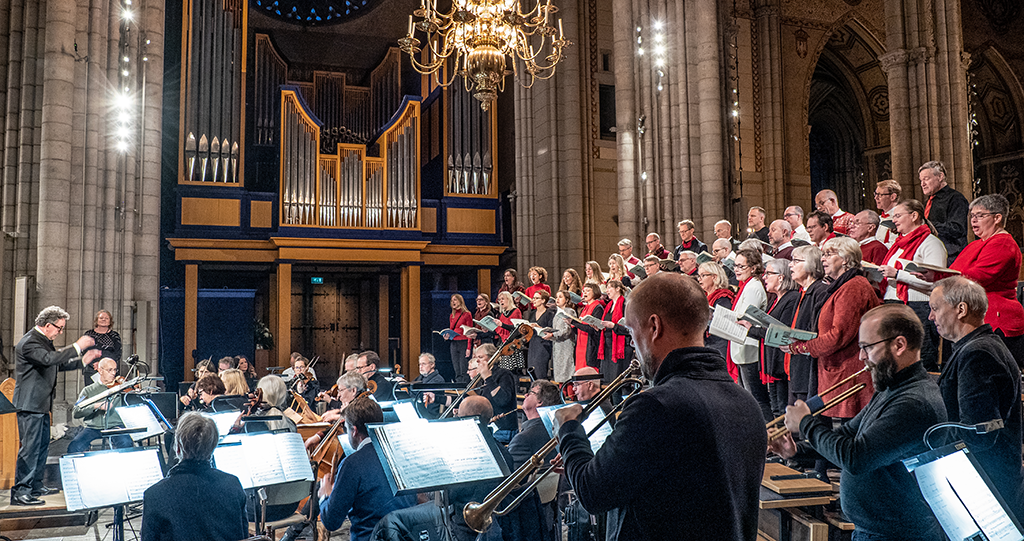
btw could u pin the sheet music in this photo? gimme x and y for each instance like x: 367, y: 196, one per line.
x: 435, y: 454
x: 69, y: 480
x: 230, y: 458
x: 105, y: 479
x: 781, y: 335
x: 264, y: 458
x: 961, y: 500
x: 294, y: 459
x: 723, y: 325
x: 140, y: 416
x: 224, y: 420
x: 547, y: 415
x: 406, y: 412
x: 758, y: 316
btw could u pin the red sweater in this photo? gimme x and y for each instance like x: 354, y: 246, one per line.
x: 995, y: 264
x: 456, y: 320
x: 874, y: 251
x: 836, y: 345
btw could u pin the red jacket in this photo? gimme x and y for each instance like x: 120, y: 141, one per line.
x: 995, y: 264
x: 874, y: 252
x: 457, y: 320
x: 836, y: 345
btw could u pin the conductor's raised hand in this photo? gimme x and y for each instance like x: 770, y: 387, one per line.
x: 90, y: 356
x: 84, y: 343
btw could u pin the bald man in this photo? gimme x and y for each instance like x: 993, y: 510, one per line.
x: 100, y: 415
x: 693, y: 410
x: 827, y: 202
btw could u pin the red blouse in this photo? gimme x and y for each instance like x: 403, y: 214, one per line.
x: 995, y: 264
x: 456, y: 320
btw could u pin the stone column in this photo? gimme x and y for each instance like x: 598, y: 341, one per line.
x: 767, y: 15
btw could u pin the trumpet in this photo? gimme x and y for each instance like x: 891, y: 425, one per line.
x: 777, y: 428
x: 479, y: 515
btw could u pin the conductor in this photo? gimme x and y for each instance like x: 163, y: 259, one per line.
x: 692, y: 446
x: 35, y: 370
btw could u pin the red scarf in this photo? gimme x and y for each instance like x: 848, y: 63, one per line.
x: 765, y: 378
x: 909, y: 244
x: 582, y: 337
x: 734, y: 370
x: 795, y: 314
x: 614, y: 314
x: 718, y: 294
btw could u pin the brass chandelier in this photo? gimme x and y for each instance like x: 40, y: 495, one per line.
x: 477, y: 35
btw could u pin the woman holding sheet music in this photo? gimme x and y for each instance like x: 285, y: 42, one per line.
x: 563, y: 344
x: 850, y: 296
x: 507, y: 311
x: 511, y: 284
x: 588, y: 339
x: 917, y: 242
x: 778, y: 280
x: 571, y: 282
x: 745, y: 356
x: 542, y: 316
x: 617, y: 270
x: 713, y: 280
x: 805, y: 267
x: 539, y: 279
x: 459, y: 317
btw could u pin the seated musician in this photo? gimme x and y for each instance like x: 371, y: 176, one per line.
x: 303, y: 383
x: 203, y: 368
x: 534, y: 518
x: 99, y: 415
x: 877, y: 493
x: 195, y: 501
x: 350, y: 385
x: 693, y: 410
x: 359, y: 490
x: 208, y: 389
x: 236, y: 391
x: 499, y: 387
x: 275, y: 402
x: 367, y: 365
x: 428, y: 374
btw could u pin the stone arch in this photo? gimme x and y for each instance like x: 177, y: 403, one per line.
x: 997, y: 104
x: 846, y: 109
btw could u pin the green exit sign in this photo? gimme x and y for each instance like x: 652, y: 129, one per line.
x: 316, y: 279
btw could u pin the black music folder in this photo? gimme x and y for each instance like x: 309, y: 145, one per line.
x: 262, y: 459
x: 961, y: 495
x: 432, y: 455
x: 107, y: 478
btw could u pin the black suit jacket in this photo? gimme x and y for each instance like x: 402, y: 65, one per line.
x: 949, y: 216
x: 35, y: 371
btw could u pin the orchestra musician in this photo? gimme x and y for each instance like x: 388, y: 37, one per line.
x: 195, y: 501
x: 360, y: 490
x: 202, y: 368
x: 498, y: 386
x: 428, y: 374
x: 534, y: 519
x: 304, y: 384
x: 367, y: 365
x: 99, y: 415
x: 35, y: 368
x: 877, y: 493
x: 350, y: 385
x: 694, y: 409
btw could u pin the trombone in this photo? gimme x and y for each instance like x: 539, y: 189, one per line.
x: 478, y: 515
x: 777, y: 428
x: 517, y: 340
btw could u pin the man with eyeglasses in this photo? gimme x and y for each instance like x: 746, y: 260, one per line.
x: 626, y: 251
x: 35, y: 371
x: 688, y: 241
x: 827, y: 202
x: 865, y: 224
x: 887, y: 195
x: 366, y: 365
x: 795, y: 216
x: 99, y: 415
x: 945, y: 208
x: 654, y: 246
x: 876, y: 491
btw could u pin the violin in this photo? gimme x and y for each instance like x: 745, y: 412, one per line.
x: 329, y: 394
x: 329, y: 445
x: 117, y: 381
x: 255, y: 399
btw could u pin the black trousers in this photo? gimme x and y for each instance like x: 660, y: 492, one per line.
x: 34, y: 431
x: 930, y: 345
x: 460, y: 363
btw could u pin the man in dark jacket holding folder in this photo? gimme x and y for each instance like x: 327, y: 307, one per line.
x: 691, y: 447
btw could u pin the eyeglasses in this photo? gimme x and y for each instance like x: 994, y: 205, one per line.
x: 790, y: 214
x: 882, y: 194
x: 979, y: 215
x: 60, y: 328
x: 770, y: 273
x: 865, y: 347
x: 738, y: 266
x: 829, y: 253
x: 896, y: 215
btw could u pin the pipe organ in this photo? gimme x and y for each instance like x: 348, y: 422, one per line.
x: 271, y: 72
x: 386, y: 87
x: 346, y: 188
x: 213, y: 97
x: 468, y: 156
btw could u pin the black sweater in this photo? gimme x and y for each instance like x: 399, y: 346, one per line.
x: 877, y: 492
x: 981, y: 382
x: 949, y: 217
x: 684, y: 461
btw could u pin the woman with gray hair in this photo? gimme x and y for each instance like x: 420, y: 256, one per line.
x: 806, y: 270
x: 712, y: 279
x: 195, y: 501
x: 850, y: 296
x: 994, y: 262
x: 778, y: 280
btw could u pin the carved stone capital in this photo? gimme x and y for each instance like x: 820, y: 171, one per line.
x: 922, y: 54
x: 965, y: 59
x: 893, y: 59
